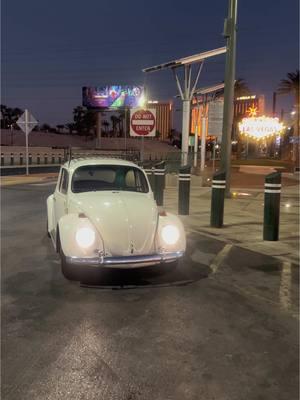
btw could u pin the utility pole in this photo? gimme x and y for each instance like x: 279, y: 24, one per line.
x: 203, y: 134
x: 274, y: 104
x: 26, y: 138
x: 99, y: 127
x: 230, y: 35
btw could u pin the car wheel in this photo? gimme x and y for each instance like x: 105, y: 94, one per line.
x: 64, y: 267
x: 170, y: 267
x: 65, y: 270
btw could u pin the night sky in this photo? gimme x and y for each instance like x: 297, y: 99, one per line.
x: 50, y: 49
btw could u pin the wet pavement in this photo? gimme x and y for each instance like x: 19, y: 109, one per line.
x: 222, y: 326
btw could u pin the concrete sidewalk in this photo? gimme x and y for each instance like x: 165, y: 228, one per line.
x: 25, y: 179
x: 243, y: 219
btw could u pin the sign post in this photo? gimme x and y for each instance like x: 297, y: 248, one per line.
x: 26, y: 122
x: 142, y: 124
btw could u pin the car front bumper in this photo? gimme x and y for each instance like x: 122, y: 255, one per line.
x: 135, y: 261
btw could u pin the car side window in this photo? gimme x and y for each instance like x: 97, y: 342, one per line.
x: 63, y: 187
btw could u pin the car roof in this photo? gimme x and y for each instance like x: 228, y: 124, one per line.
x: 80, y: 162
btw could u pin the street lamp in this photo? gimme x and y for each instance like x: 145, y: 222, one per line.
x: 186, y: 88
x: 11, y: 126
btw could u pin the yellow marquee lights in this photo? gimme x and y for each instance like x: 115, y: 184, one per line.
x: 260, y: 127
x: 252, y: 111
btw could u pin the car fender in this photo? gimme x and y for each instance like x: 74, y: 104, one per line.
x: 50, y: 214
x: 167, y: 218
x: 68, y: 226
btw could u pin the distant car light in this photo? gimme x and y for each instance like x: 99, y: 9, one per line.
x: 170, y: 234
x: 85, y: 237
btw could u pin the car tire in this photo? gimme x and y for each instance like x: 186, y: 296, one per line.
x: 90, y: 276
x: 170, y: 267
x: 64, y: 267
x: 65, y: 270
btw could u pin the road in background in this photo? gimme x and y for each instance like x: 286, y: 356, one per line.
x: 222, y: 326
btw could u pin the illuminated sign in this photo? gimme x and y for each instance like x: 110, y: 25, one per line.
x: 260, y: 127
x: 252, y: 111
x: 246, y: 97
x: 113, y: 97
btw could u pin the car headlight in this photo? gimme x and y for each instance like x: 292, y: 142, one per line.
x: 170, y: 234
x: 85, y: 237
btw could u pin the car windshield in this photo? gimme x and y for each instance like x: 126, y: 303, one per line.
x: 91, y: 178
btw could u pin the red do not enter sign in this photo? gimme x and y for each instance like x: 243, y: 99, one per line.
x: 142, y: 122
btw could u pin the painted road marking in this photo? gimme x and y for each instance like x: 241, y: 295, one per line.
x: 285, y: 285
x: 43, y: 184
x: 220, y: 257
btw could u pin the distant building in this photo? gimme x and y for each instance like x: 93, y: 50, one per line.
x: 246, y: 106
x: 163, y: 118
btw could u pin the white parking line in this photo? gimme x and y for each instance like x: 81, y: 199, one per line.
x: 43, y: 184
x: 219, y: 258
x: 285, y: 285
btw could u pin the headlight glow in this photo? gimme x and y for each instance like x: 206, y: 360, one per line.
x: 170, y: 234
x: 85, y: 237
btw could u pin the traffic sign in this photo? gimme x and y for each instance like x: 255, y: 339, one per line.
x: 142, y: 122
x: 27, y: 122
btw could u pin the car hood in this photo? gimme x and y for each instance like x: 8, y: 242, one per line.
x: 127, y: 221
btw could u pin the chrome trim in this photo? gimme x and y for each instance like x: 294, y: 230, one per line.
x: 123, y: 260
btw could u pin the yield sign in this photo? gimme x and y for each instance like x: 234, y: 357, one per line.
x: 27, y: 122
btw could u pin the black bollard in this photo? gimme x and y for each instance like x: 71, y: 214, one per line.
x: 59, y: 158
x: 53, y: 159
x: 150, y: 175
x: 272, y: 206
x: 184, y: 180
x: 2, y: 159
x: 159, y: 176
x: 217, y: 199
x: 45, y: 158
x: 11, y: 158
x: 21, y: 158
x: 38, y: 158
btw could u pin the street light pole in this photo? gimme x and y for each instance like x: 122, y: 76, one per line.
x: 230, y: 34
x: 26, y: 138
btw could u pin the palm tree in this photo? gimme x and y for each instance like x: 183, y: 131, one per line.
x: 121, y: 121
x: 241, y: 88
x: 290, y: 85
x: 114, y: 121
x: 9, y: 116
x: 105, y: 124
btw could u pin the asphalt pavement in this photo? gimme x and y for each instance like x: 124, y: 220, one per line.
x: 222, y: 326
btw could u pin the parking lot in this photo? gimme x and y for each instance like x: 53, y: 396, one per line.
x: 222, y: 326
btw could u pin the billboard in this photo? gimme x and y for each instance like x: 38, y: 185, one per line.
x: 112, y: 97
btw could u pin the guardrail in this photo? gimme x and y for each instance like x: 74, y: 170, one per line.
x: 18, y: 159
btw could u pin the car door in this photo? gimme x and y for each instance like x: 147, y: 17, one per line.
x: 60, y: 196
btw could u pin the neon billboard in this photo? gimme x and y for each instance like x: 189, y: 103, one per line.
x: 113, y: 97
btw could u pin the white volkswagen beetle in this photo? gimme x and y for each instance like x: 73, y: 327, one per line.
x: 103, y: 214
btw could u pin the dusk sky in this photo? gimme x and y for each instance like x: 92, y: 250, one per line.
x: 50, y: 49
